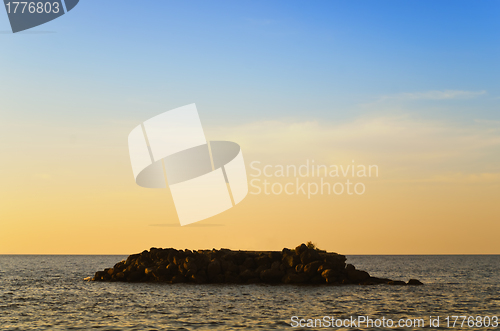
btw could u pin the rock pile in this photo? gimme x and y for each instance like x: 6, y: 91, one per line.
x: 302, y: 265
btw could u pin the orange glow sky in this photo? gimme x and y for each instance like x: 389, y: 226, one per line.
x: 409, y: 86
x: 73, y: 192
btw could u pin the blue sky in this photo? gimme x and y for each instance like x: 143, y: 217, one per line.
x: 254, y: 60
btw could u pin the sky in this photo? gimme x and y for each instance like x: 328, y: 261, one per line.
x: 411, y: 87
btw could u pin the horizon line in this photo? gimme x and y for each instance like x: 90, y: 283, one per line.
x: 447, y: 254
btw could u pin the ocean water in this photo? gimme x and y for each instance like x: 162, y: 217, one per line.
x: 49, y: 293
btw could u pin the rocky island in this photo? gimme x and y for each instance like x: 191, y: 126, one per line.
x: 303, y: 265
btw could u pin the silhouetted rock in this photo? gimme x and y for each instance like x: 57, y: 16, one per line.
x: 312, y: 268
x: 271, y: 275
x: 262, y: 260
x: 213, y: 269
x: 199, y: 278
x: 178, y: 279
x: 291, y: 259
x: 308, y: 256
x: 249, y: 274
x: 325, y: 266
x: 295, y: 278
x: 300, y: 249
x: 414, y: 282
x: 301, y: 265
x: 329, y: 274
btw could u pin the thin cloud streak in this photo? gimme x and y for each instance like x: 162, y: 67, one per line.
x: 434, y: 95
x: 414, y: 148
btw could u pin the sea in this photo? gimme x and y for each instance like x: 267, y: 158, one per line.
x: 48, y: 292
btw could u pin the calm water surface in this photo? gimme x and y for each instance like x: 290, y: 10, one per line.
x: 48, y: 293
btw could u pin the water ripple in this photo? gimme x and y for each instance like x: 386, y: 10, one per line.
x: 48, y: 293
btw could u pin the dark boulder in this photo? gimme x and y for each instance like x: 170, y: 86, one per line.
x: 232, y: 278
x: 135, y: 276
x: 293, y: 278
x: 213, y: 269
x: 329, y: 273
x: 171, y: 268
x: 119, y: 276
x: 275, y: 256
x: 350, y: 267
x: 414, y: 282
x: 301, y: 249
x: 271, y: 275
x: 317, y: 279
x: 249, y: 274
x: 291, y: 260
x: 312, y: 268
x: 301, y: 265
x: 357, y: 275
x: 262, y: 260
x: 98, y: 275
x: 276, y: 265
x: 178, y: 279
x: 325, y: 266
x: 308, y: 256
x: 199, y: 278
x: 249, y: 263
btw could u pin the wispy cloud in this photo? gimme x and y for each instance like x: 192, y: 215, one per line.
x: 488, y: 122
x: 405, y: 146
x: 434, y: 95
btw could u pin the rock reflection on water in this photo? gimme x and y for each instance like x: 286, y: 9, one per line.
x: 48, y: 293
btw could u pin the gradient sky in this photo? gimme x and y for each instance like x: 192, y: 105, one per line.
x: 412, y: 86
